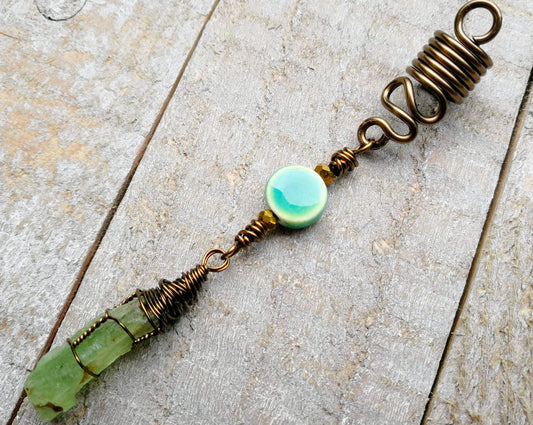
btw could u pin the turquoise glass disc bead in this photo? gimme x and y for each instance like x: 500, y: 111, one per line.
x: 297, y: 195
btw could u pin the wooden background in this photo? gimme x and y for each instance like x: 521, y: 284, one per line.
x: 136, y: 136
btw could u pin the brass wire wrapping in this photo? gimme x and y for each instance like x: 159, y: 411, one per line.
x: 90, y: 330
x: 343, y: 161
x: 170, y: 299
x: 446, y: 67
x: 254, y: 232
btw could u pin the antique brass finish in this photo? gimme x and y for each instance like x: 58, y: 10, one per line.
x: 446, y: 67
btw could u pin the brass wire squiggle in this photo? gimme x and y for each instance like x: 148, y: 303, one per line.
x: 447, y: 67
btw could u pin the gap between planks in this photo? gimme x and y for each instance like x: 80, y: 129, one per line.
x: 114, y: 206
x: 498, y: 191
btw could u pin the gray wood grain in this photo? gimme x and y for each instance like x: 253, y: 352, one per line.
x: 341, y: 323
x: 488, y: 373
x: 77, y: 99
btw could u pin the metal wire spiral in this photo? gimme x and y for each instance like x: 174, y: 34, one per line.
x: 253, y: 232
x: 447, y: 67
x: 170, y: 299
x: 343, y: 161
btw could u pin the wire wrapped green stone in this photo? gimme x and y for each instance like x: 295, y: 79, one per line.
x: 57, y: 378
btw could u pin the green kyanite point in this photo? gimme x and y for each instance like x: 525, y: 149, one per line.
x: 297, y: 195
x: 52, y: 386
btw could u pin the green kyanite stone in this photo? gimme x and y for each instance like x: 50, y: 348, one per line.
x: 52, y: 386
x: 297, y: 195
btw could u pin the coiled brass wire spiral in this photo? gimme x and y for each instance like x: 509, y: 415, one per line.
x: 170, y: 299
x: 447, y: 67
x: 343, y: 161
x: 254, y: 232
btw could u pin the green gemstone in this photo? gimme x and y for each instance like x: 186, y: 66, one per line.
x: 52, y: 386
x: 297, y: 195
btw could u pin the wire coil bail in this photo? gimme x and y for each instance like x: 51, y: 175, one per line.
x: 447, y: 67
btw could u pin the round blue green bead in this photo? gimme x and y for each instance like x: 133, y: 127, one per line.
x: 297, y: 195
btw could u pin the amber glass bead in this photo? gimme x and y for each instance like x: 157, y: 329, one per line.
x: 325, y: 172
x: 268, y: 217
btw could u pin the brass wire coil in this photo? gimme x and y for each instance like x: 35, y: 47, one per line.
x: 447, y: 67
x: 170, y: 299
x: 343, y: 161
x: 254, y: 232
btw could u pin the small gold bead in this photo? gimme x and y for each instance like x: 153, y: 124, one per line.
x: 325, y: 172
x: 268, y: 217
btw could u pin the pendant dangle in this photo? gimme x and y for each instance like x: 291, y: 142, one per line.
x: 447, y: 67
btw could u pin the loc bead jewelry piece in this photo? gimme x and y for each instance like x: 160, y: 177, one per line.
x: 447, y: 67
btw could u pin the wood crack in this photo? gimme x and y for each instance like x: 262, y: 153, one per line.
x: 502, y: 179
x: 114, y: 207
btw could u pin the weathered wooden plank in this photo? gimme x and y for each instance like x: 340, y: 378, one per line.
x: 488, y: 372
x: 77, y: 99
x: 343, y: 322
